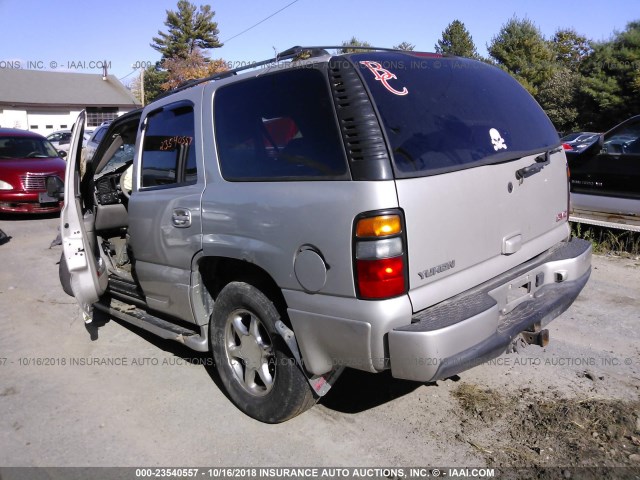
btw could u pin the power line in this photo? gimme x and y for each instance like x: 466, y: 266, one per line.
x: 261, y: 21
x: 131, y: 73
x: 242, y: 32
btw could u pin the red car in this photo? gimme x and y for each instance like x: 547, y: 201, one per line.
x: 26, y: 159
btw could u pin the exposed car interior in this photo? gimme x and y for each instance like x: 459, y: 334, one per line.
x: 112, y: 161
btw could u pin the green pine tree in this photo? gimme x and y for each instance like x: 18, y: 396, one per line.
x: 354, y: 42
x: 154, y: 78
x: 557, y: 95
x: 610, y: 90
x: 456, y: 40
x: 522, y: 51
x: 188, y: 29
x: 405, y: 46
x: 570, y: 48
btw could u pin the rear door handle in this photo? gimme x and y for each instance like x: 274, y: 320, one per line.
x: 181, y: 218
x: 541, y: 162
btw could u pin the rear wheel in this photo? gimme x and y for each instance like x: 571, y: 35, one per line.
x: 253, y: 362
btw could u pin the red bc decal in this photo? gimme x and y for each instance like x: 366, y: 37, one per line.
x: 383, y: 75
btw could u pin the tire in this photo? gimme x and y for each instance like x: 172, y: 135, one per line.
x: 65, y: 276
x: 254, y: 364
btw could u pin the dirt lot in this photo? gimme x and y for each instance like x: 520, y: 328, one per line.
x: 120, y: 397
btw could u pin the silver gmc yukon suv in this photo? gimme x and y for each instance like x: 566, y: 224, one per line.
x: 374, y: 210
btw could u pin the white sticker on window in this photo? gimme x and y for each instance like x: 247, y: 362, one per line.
x: 496, y: 140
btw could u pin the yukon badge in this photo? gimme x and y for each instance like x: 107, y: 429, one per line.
x: 430, y: 272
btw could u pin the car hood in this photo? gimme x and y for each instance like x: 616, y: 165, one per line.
x: 33, y: 165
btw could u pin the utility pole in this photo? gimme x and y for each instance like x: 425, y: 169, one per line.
x: 142, y: 86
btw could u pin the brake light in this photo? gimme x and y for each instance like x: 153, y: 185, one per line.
x: 379, y: 249
x: 566, y: 146
x: 382, y: 278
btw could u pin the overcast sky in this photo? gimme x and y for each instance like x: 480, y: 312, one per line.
x: 73, y: 35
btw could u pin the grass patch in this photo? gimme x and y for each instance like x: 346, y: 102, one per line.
x: 607, y: 240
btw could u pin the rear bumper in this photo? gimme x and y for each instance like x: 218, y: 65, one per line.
x: 478, y: 325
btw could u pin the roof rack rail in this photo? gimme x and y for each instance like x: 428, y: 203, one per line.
x: 285, y: 55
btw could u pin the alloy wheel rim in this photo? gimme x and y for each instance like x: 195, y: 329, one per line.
x: 250, y: 353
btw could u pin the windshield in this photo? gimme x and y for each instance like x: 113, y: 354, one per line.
x: 448, y: 113
x: 26, y: 147
x: 122, y: 156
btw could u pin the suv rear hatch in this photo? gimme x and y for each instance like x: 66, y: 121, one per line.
x: 479, y: 175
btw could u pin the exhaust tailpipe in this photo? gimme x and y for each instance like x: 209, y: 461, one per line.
x: 540, y: 338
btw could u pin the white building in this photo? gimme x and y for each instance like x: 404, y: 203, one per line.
x: 44, y: 102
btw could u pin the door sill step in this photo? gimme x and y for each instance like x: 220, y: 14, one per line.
x: 163, y: 329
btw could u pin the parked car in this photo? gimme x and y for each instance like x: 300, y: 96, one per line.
x: 574, y: 136
x: 570, y: 137
x: 26, y: 160
x: 605, y: 176
x: 335, y: 212
x: 94, y: 140
x: 580, y: 142
x: 60, y: 140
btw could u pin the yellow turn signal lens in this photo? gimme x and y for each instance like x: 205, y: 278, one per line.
x: 380, y: 226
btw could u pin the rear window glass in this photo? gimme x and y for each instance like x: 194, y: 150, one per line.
x: 279, y: 127
x: 442, y: 114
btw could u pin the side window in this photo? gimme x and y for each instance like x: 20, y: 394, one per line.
x: 279, y: 127
x: 625, y: 141
x: 169, y: 152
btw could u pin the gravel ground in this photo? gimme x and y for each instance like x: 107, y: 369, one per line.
x: 573, y: 403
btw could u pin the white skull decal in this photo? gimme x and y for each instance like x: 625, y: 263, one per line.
x: 496, y: 140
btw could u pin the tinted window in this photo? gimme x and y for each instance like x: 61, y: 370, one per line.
x: 169, y: 154
x: 625, y: 141
x: 278, y: 127
x: 444, y: 114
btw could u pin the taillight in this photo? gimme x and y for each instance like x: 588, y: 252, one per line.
x: 379, y: 250
x: 566, y: 146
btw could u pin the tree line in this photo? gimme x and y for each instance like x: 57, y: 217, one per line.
x: 582, y: 84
